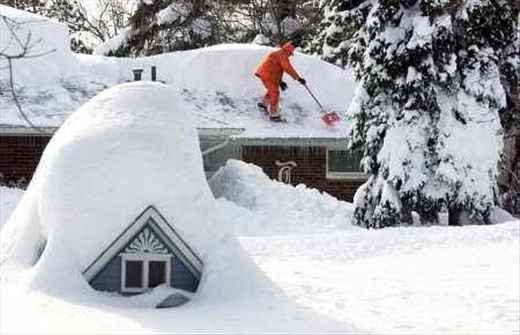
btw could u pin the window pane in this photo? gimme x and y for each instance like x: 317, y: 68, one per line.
x: 156, y: 273
x: 345, y: 161
x: 134, y: 274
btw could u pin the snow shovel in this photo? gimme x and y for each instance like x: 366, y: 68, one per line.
x: 330, y: 118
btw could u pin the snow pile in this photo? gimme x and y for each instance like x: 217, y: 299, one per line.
x: 130, y: 147
x: 255, y: 204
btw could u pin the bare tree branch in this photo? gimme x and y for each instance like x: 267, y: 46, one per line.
x: 26, y: 48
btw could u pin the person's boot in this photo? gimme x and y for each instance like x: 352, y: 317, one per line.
x: 275, y: 118
x: 262, y: 107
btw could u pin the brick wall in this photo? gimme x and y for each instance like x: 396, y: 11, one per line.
x: 19, y: 157
x: 310, y: 170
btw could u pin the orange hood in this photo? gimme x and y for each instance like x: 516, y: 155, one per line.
x: 288, y: 48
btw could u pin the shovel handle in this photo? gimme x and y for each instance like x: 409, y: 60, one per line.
x: 315, y: 99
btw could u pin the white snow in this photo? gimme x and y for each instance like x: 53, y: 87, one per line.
x: 218, y: 84
x: 420, y: 280
x: 277, y: 258
x: 139, y: 139
x: 175, y: 11
x: 436, y: 280
x: 9, y: 198
x: 245, y: 193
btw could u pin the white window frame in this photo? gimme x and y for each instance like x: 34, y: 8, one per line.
x: 342, y: 175
x: 146, y: 258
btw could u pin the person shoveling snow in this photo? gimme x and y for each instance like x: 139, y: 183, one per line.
x: 270, y: 72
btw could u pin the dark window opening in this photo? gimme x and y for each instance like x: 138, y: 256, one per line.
x: 134, y: 274
x: 345, y: 161
x: 156, y: 273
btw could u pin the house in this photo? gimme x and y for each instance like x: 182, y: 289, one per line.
x: 220, y: 93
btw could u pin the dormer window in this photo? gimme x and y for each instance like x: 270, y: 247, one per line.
x: 142, y: 271
x: 148, y: 253
x: 145, y: 263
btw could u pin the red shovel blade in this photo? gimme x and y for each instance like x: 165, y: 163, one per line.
x: 330, y: 118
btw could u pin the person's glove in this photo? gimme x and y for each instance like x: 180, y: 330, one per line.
x: 302, y: 81
x: 283, y: 86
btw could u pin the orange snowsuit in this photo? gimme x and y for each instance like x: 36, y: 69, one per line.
x: 270, y: 71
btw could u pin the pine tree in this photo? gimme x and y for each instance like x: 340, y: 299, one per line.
x: 430, y: 89
x: 470, y: 135
x: 401, y: 56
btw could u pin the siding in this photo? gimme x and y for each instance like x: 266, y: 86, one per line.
x: 109, y: 279
x: 19, y: 157
x: 311, y: 169
x: 181, y: 277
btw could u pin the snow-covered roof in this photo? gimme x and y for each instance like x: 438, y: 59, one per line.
x: 217, y: 83
x: 14, y: 13
x: 141, y: 140
x: 48, y: 55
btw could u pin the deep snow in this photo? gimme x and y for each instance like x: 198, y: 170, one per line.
x: 294, y: 263
x: 416, y: 280
x: 138, y: 139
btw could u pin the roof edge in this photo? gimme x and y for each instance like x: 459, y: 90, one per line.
x: 150, y: 212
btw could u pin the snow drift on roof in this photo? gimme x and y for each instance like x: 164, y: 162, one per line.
x: 218, y: 84
x: 131, y: 146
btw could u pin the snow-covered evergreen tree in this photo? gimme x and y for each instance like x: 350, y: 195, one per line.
x: 341, y: 22
x: 470, y: 135
x: 399, y: 62
x: 429, y: 92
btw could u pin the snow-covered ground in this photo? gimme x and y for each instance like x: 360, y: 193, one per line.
x: 416, y: 280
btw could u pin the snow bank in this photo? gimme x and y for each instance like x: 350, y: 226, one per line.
x: 234, y: 297
x: 255, y: 204
x: 130, y: 147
